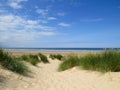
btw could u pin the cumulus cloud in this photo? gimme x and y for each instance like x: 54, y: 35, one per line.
x: 15, y: 4
x: 16, y: 28
x: 64, y: 24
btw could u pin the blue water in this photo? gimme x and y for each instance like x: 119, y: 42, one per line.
x: 62, y: 48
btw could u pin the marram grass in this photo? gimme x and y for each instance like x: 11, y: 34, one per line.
x: 69, y: 62
x: 12, y: 63
x: 43, y: 58
x: 33, y: 59
x: 56, y: 56
x: 104, y: 62
x: 16, y: 64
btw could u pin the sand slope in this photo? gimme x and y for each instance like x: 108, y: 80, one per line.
x: 46, y: 77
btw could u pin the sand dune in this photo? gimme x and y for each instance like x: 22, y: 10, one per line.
x: 46, y: 77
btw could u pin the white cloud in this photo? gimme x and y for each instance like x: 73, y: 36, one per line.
x: 47, y: 33
x: 42, y: 12
x: 23, y: 35
x: 64, y: 24
x: 52, y: 18
x: 16, y: 22
x: 16, y: 28
x: 15, y: 4
x: 92, y: 20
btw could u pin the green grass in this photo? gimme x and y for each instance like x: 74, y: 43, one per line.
x: 104, y: 62
x: 33, y: 59
x: 69, y: 62
x: 56, y: 56
x: 91, y: 62
x: 52, y: 56
x: 12, y: 63
x: 43, y: 58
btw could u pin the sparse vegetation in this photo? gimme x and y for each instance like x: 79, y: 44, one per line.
x: 16, y: 64
x: 43, y: 58
x: 69, y: 62
x: 12, y: 63
x: 52, y: 56
x: 106, y: 61
x: 56, y: 56
x: 33, y: 59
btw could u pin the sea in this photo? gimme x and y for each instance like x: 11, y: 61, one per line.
x: 63, y: 49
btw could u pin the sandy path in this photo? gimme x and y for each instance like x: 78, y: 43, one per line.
x: 47, y: 78
x: 73, y: 79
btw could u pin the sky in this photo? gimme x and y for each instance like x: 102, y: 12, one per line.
x: 60, y: 23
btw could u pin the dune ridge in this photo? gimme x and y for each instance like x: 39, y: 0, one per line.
x: 46, y: 77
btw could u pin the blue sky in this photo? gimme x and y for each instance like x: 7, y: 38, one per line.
x: 60, y: 23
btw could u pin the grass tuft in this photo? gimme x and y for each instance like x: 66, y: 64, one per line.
x: 68, y: 62
x: 52, y: 56
x: 11, y: 63
x: 104, y: 62
x: 33, y: 59
x: 43, y: 58
x: 56, y: 56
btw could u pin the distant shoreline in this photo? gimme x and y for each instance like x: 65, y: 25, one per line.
x: 95, y: 49
x: 48, y: 52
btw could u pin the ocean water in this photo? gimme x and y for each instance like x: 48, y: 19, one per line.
x: 63, y: 48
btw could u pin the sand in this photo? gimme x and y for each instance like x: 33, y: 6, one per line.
x: 48, y: 52
x: 46, y: 77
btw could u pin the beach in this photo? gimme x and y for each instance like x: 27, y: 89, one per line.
x: 48, y: 52
x: 46, y: 76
